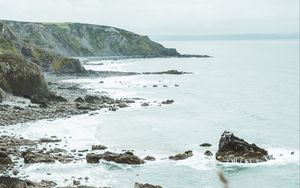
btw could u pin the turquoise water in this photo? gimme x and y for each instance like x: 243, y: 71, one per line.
x: 249, y: 87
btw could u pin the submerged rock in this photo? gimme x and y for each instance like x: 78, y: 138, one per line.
x: 234, y: 149
x: 182, y: 156
x: 124, y: 158
x: 146, y: 185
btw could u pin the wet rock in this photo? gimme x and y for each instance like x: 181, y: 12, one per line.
x: 92, y: 99
x: 292, y: 153
x: 182, y: 156
x: 123, y: 158
x: 155, y: 86
x: 167, y: 102
x: 31, y: 157
x: 205, y: 145
x: 149, y: 158
x: 122, y: 105
x: 208, y: 153
x: 98, y: 147
x: 234, y: 149
x: 5, y: 159
x: 84, y: 106
x: 146, y: 185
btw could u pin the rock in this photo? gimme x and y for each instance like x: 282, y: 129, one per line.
x: 55, y: 98
x: 122, y: 105
x: 182, y: 156
x: 67, y: 65
x: 5, y: 159
x: 91, y: 99
x: 234, y: 149
x: 167, y: 102
x: 30, y: 157
x: 145, y: 104
x: 37, y: 99
x: 155, y: 85
x: 146, y: 185
x: 176, y: 72
x: 149, y: 158
x: 19, y: 77
x: 208, y: 153
x: 75, y: 182
x: 123, y: 158
x: 292, y: 153
x: 98, y: 147
x: 79, y: 100
x: 49, y: 140
x: 205, y: 145
x: 8, y: 182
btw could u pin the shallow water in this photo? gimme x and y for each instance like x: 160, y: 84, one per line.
x: 249, y: 87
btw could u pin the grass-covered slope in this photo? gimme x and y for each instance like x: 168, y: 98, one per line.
x: 75, y: 39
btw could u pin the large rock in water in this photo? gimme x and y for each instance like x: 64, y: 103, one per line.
x: 123, y: 158
x: 234, y: 149
x: 19, y: 77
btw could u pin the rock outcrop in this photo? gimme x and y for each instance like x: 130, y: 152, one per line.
x: 234, y: 149
x: 123, y: 158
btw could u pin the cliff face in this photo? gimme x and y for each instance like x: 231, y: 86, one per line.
x: 74, y: 39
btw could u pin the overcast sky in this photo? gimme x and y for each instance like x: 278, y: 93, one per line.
x: 164, y: 17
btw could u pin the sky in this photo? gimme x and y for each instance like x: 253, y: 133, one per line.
x: 164, y: 17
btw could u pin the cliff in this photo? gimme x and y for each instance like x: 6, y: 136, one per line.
x: 84, y: 40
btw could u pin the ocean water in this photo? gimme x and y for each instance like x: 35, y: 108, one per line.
x: 249, y: 87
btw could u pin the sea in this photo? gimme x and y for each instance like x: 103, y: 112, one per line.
x: 248, y: 87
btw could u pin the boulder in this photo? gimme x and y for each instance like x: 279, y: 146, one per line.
x: 123, y: 158
x: 182, y: 156
x: 234, y: 149
x: 146, y: 185
x: 19, y: 77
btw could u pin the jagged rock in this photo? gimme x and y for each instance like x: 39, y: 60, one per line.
x: 98, y: 147
x: 182, y: 156
x: 205, y: 145
x: 149, y: 158
x: 167, y: 102
x: 234, y: 149
x: 146, y: 185
x: 37, y: 99
x: 124, y: 158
